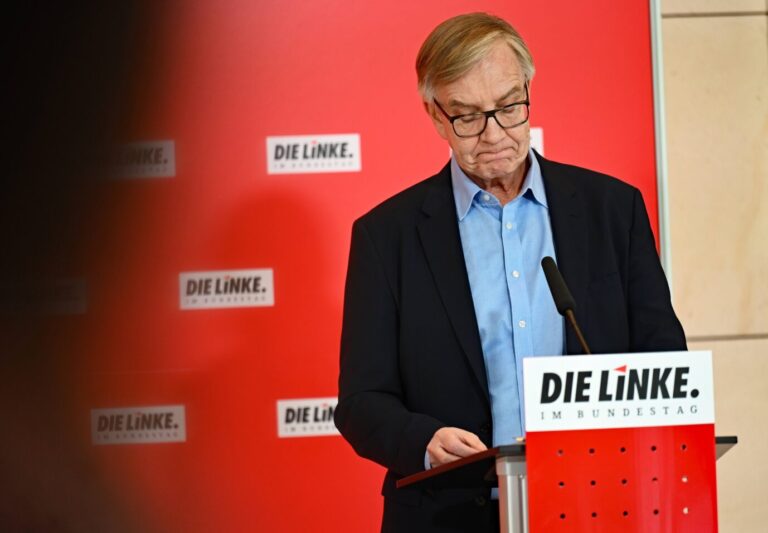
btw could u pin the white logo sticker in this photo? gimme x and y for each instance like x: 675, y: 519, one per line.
x: 62, y: 296
x: 146, y: 159
x: 537, y: 139
x: 309, y: 154
x: 139, y: 425
x: 226, y: 289
x: 306, y: 417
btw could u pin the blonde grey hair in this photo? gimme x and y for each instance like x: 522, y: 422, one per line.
x: 459, y: 43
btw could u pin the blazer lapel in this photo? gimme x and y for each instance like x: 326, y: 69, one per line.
x: 439, y: 234
x: 569, y: 231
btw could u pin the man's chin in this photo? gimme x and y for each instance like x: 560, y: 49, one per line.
x: 500, y: 168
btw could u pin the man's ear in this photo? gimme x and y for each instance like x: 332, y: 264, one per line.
x: 437, y: 119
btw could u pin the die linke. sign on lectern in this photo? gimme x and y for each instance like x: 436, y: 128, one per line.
x: 622, y: 442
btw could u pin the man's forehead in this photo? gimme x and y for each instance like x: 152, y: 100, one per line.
x: 465, y: 92
x: 497, y: 75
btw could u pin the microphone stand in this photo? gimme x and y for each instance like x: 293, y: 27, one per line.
x: 572, y: 319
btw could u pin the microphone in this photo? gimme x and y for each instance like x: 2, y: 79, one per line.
x: 563, y: 298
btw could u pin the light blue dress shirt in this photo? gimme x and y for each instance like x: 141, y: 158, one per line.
x: 516, y: 316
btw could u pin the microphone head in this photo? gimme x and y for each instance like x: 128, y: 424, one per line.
x: 560, y: 294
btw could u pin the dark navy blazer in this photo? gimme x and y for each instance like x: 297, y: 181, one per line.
x: 411, y: 358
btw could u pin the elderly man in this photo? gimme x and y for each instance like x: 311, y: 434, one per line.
x: 445, y: 295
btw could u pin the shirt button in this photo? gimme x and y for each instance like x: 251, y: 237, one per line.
x: 487, y: 197
x: 509, y: 225
x: 515, y: 274
x: 521, y: 323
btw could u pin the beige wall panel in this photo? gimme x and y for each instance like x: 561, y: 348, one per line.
x: 711, y: 6
x: 741, y: 408
x: 716, y: 88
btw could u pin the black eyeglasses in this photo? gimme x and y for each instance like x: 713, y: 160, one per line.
x: 474, y: 124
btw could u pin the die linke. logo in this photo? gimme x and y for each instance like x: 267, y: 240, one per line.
x: 62, y: 296
x: 673, y: 388
x: 307, y: 154
x: 641, y: 384
x: 307, y: 417
x: 138, y: 425
x: 146, y: 159
x: 226, y: 289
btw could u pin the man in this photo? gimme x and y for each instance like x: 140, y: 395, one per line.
x: 445, y: 295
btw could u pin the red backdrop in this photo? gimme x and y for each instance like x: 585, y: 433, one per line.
x: 218, y: 78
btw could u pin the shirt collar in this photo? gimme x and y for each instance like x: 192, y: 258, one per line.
x: 465, y: 190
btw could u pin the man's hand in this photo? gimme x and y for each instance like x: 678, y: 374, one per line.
x: 449, y: 444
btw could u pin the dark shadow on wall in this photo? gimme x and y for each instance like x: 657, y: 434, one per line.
x: 68, y: 78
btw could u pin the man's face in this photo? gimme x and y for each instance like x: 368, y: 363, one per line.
x: 497, y: 153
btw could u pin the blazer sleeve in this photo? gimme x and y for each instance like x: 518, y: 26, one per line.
x: 653, y: 324
x: 371, y: 413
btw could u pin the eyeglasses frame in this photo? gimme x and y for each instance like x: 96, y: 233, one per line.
x: 487, y: 114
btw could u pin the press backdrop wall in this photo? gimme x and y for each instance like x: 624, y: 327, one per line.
x: 190, y: 192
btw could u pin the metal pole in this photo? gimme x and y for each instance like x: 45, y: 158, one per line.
x: 659, y: 119
x: 513, y: 494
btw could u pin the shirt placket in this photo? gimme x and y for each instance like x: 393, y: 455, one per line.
x: 518, y: 295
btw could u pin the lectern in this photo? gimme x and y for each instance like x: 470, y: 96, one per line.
x: 615, y: 443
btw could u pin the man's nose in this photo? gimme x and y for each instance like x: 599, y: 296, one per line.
x: 493, y: 132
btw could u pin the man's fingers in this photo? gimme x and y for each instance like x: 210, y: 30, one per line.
x: 462, y: 438
x: 449, y: 444
x: 441, y: 457
x: 457, y: 446
x: 473, y: 441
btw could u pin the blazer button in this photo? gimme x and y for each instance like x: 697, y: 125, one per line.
x: 480, y: 501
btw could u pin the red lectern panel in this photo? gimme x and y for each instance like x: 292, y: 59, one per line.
x: 653, y: 479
